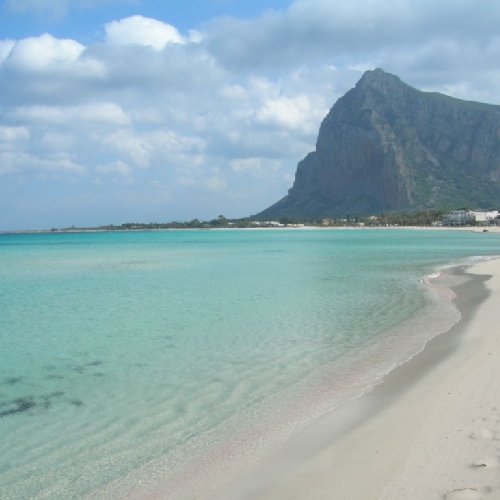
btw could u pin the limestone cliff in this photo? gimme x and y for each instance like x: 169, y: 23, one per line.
x: 385, y: 146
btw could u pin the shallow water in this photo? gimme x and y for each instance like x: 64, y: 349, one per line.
x: 146, y: 362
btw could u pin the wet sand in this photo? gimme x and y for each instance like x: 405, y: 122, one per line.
x: 430, y: 431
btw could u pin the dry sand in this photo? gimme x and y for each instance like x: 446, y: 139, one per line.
x: 430, y: 431
x: 455, y: 451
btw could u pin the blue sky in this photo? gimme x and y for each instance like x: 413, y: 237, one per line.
x: 133, y: 110
x: 83, y: 20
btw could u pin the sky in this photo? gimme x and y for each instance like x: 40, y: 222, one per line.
x: 115, y: 111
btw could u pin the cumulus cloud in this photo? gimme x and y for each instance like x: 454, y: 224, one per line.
x: 142, y: 31
x: 43, y: 52
x: 285, y: 111
x: 45, y: 69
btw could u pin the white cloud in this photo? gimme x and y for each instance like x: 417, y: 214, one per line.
x: 14, y: 163
x: 107, y: 112
x: 125, y: 144
x: 311, y: 30
x: 13, y: 134
x: 42, y: 68
x: 116, y: 168
x: 43, y: 52
x: 158, y: 148
x: 54, y: 142
x: 173, y: 143
x: 42, y: 114
x: 5, y: 48
x: 62, y: 165
x: 289, y: 112
x: 233, y: 92
x: 142, y: 31
x: 195, y: 36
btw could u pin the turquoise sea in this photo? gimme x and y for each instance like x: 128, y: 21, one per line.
x: 149, y: 364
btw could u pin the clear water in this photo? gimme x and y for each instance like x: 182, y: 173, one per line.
x: 135, y: 364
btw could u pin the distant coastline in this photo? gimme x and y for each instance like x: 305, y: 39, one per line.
x: 430, y: 219
x: 476, y: 229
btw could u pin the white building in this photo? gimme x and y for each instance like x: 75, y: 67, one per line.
x: 485, y: 217
x: 461, y: 217
x: 458, y: 218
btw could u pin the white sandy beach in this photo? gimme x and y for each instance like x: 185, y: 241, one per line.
x: 430, y: 431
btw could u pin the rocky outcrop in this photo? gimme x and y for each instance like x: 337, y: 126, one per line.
x: 385, y: 146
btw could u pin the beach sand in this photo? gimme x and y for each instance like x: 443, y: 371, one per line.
x: 430, y: 431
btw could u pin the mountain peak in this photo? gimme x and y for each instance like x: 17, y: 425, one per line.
x: 387, y: 146
x: 378, y: 78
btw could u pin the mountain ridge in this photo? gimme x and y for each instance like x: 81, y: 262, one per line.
x: 386, y: 146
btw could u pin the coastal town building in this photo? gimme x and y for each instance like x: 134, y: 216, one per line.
x: 458, y: 218
x: 462, y: 217
x: 267, y: 223
x: 486, y: 216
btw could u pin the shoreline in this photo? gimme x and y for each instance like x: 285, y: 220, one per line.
x: 382, y: 445
x: 474, y: 229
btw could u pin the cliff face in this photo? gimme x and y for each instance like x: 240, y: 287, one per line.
x: 385, y: 146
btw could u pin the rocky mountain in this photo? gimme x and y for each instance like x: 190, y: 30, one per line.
x: 386, y: 146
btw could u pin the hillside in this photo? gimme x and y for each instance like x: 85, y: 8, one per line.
x: 386, y: 146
